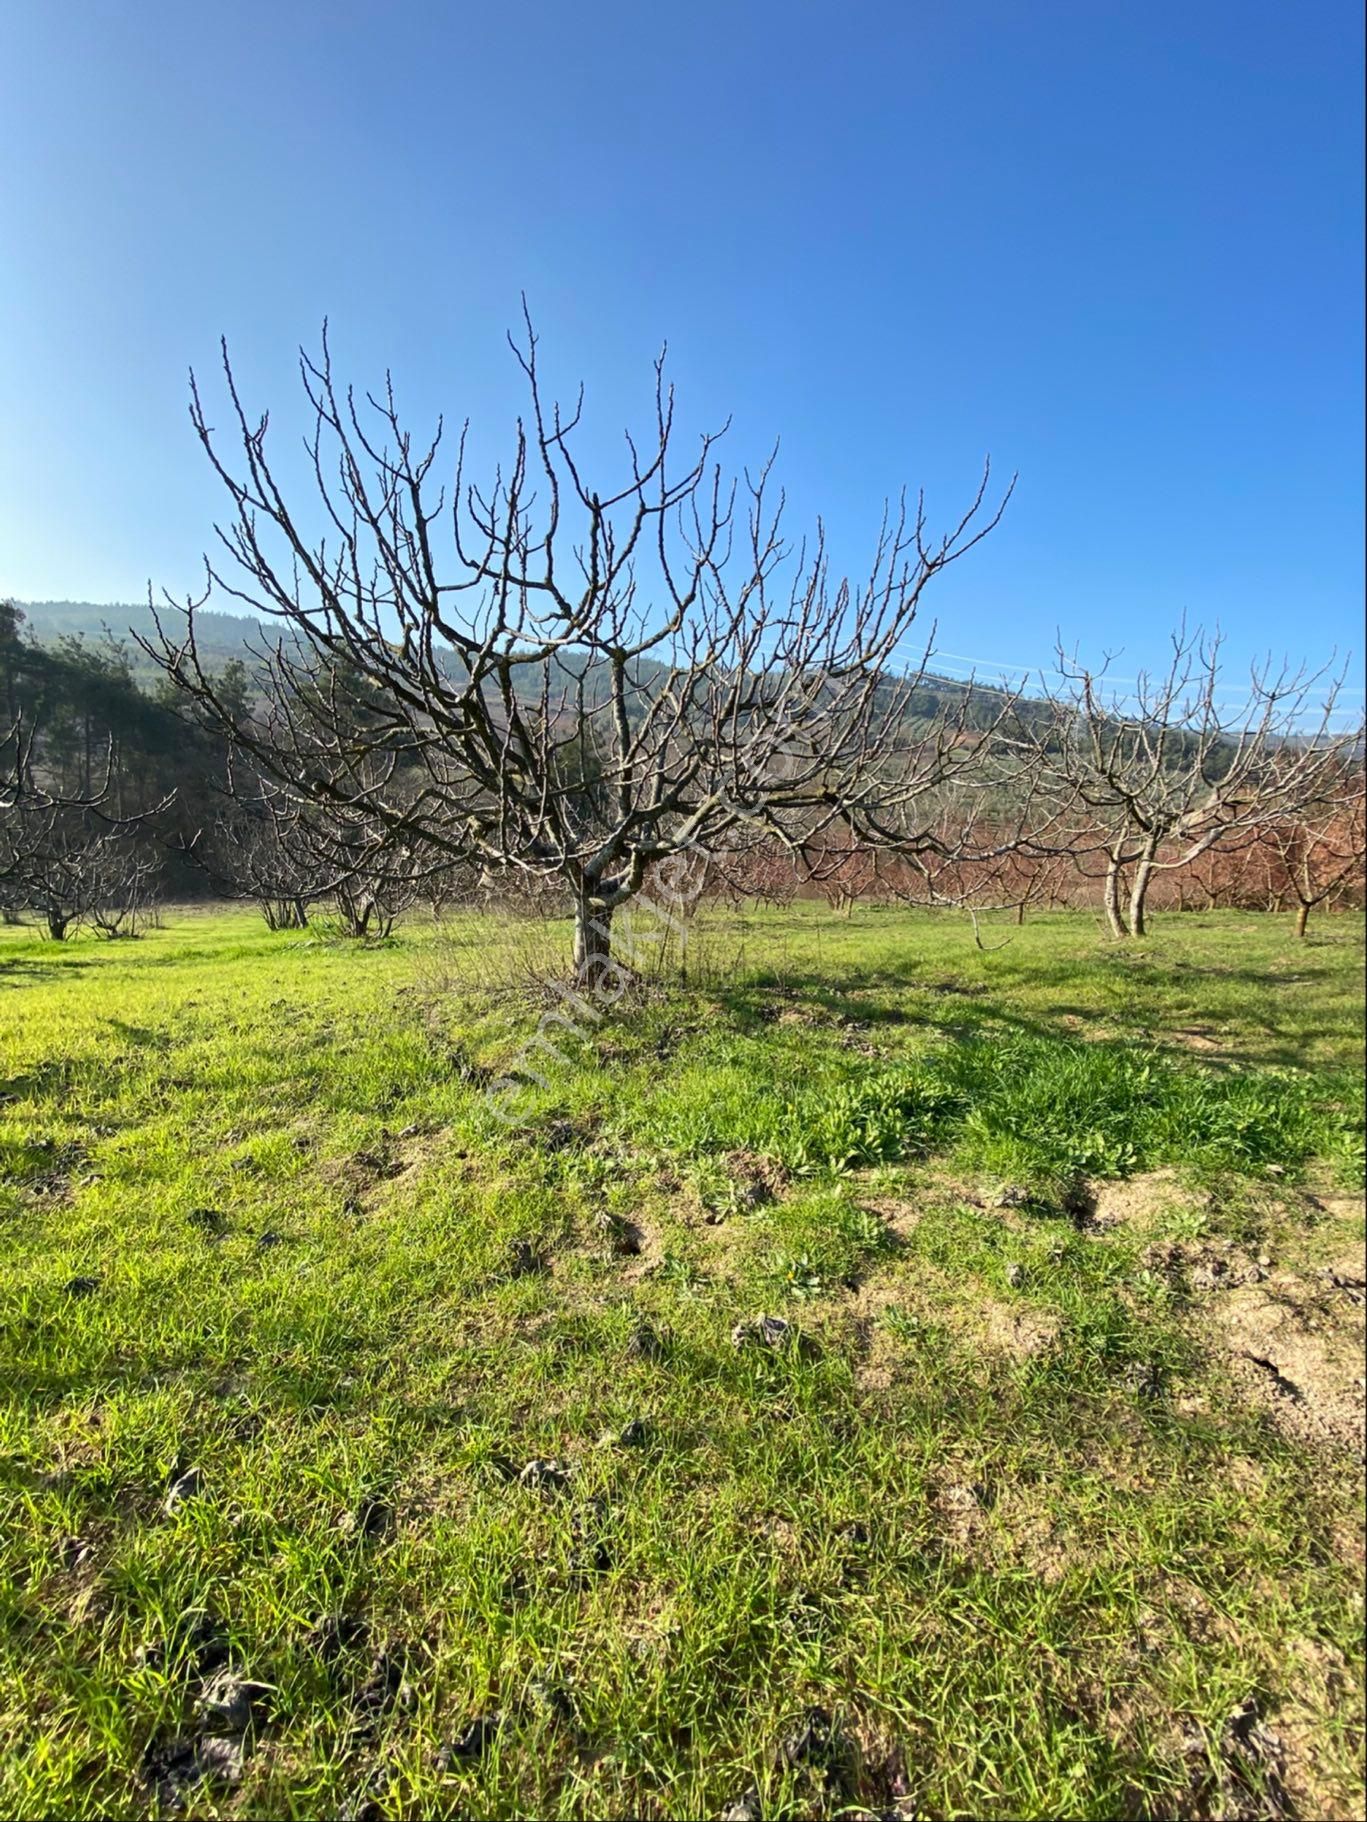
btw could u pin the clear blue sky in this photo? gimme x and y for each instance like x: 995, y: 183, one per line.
x: 1117, y: 245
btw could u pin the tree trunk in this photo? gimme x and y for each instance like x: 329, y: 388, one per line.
x: 1302, y: 919
x: 57, y: 922
x: 1139, y: 891
x: 1112, y: 900
x: 592, y: 940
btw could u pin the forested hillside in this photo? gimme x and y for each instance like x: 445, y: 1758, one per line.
x: 222, y: 637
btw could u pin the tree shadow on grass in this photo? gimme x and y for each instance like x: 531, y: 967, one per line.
x: 20, y: 970
x: 757, y: 1005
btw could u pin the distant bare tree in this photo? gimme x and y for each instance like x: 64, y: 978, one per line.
x: 765, y: 873
x: 377, y: 879
x: 291, y: 852
x: 845, y: 869
x: 252, y: 853
x: 456, y: 883
x: 123, y: 873
x: 68, y: 864
x: 975, y: 850
x: 570, y: 679
x: 61, y: 854
x: 1150, y: 778
x: 285, y: 843
x: 1317, y: 857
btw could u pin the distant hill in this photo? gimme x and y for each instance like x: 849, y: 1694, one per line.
x: 225, y: 637
x: 221, y: 637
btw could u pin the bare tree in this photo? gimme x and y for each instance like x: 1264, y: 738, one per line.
x: 973, y: 847
x: 287, y: 853
x: 1151, y: 777
x: 377, y: 879
x: 571, y: 679
x: 1317, y: 857
x: 765, y: 872
x: 67, y: 864
x: 123, y: 875
x: 19, y: 800
x: 61, y: 854
x: 453, y: 884
x: 252, y: 853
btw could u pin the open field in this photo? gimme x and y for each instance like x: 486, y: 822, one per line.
x: 1047, y: 1502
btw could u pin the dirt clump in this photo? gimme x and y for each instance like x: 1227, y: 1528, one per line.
x: 1294, y: 1341
x: 1196, y: 1267
x: 1319, y: 1684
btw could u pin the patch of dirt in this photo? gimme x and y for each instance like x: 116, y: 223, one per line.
x: 1296, y: 1346
x: 1019, y: 1333
x: 754, y: 1179
x: 1321, y: 1685
x: 1235, y: 1775
x: 394, y: 1155
x: 962, y: 1513
x: 1038, y: 1543
x: 1196, y: 1037
x: 879, y: 1353
x: 618, y: 1237
x: 880, y: 1778
x: 1199, y: 1266
x: 1193, y: 1614
x: 1136, y: 1201
x: 877, y: 1371
x: 901, y: 1217
x: 1338, y: 1207
x: 1349, y: 1540
x: 1294, y: 1341
x: 1002, y: 1530
x: 997, y: 1330
x: 647, y: 1249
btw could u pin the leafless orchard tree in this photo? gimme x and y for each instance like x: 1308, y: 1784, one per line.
x: 61, y: 855
x: 124, y: 875
x: 378, y: 880
x: 998, y: 883
x: 765, y: 873
x: 963, y: 820
x: 251, y: 852
x: 1149, y: 777
x: 289, y: 853
x: 288, y: 845
x: 570, y: 678
x: 1317, y: 857
x: 847, y: 872
x: 975, y: 847
x: 16, y: 805
x: 69, y: 865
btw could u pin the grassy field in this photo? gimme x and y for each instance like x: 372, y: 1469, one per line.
x: 364, y: 1455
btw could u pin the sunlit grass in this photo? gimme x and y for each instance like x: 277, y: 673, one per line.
x: 1017, y: 1583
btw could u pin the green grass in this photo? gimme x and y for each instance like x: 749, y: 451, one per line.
x: 1020, y: 1581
